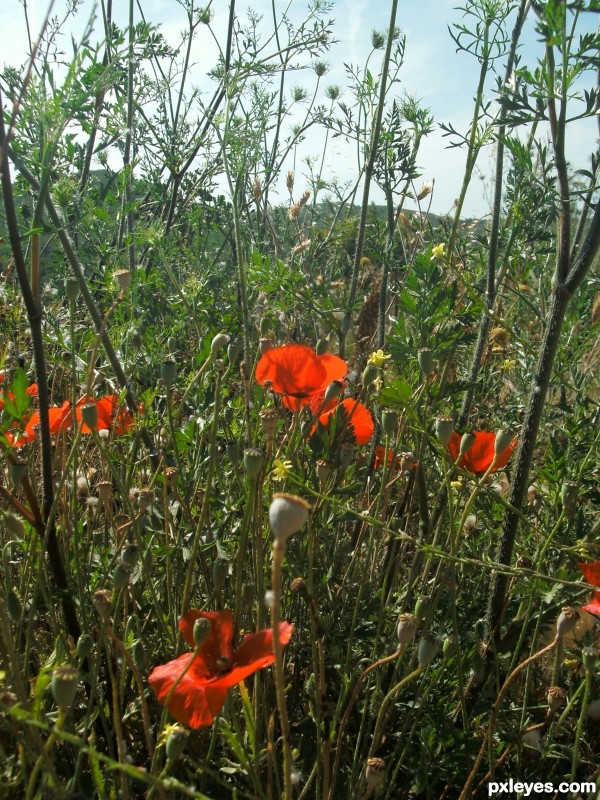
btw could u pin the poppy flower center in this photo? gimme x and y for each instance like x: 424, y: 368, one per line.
x: 223, y: 665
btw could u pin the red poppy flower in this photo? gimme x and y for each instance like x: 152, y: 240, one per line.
x: 382, y: 455
x: 479, y: 457
x: 31, y: 391
x: 59, y: 418
x: 360, y: 420
x: 298, y: 373
x: 591, y: 572
x: 110, y: 415
x: 200, y: 694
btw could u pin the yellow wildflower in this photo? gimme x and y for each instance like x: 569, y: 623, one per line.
x: 281, y: 469
x: 379, y: 358
x: 457, y: 484
x: 167, y: 731
x: 439, y: 251
x: 509, y: 363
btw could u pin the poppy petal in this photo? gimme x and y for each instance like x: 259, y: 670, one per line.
x: 480, y: 455
x: 590, y: 571
x: 292, y: 369
x: 255, y: 652
x: 360, y: 419
x: 194, y: 702
x: 593, y: 607
x: 219, y: 643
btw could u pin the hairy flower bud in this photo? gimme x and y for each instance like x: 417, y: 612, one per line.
x: 566, y: 621
x: 201, y: 631
x: 428, y: 649
x: 64, y: 686
x: 406, y: 628
x: 220, y: 341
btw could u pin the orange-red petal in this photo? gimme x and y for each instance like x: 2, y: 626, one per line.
x: 590, y: 571
x: 593, y: 607
x: 360, y: 419
x: 219, y: 643
x: 296, y: 370
x: 479, y: 457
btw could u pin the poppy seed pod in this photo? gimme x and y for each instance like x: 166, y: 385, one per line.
x: 220, y: 571
x: 569, y: 494
x: 406, y: 628
x: 449, y: 646
x: 228, y: 415
x: 287, y: 514
x: 14, y: 524
x: 389, y: 422
x: 64, y: 686
x: 374, y: 773
x: 85, y: 645
x: 220, y: 341
x: 17, y: 472
x: 168, y: 373
x: 172, y: 344
x: 321, y: 347
x: 130, y: 554
x: 201, y: 631
x: 139, y: 655
x: 370, y: 374
x: 105, y: 492
x: 346, y: 323
x: 347, y: 453
x: 176, y: 742
x: 323, y: 470
x: 89, y: 415
x: 423, y: 606
x: 123, y: 279
x: 428, y: 649
x: 269, y: 417
x: 555, y: 697
x: 72, y: 289
x: 444, y: 426
x: 503, y: 439
x: 234, y: 453
x: 466, y: 443
x: 121, y: 575
x: 102, y: 599
x: 426, y: 362
x: 589, y: 656
x: 234, y: 351
x: 566, y: 621
x: 333, y: 390
x: 253, y: 461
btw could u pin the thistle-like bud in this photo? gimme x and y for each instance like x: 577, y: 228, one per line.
x: 406, y: 628
x: 556, y: 697
x: 566, y: 621
x: 426, y: 362
x: 121, y: 575
x: 168, y: 373
x: 176, y: 742
x: 89, y: 415
x: 389, y: 422
x: 220, y: 571
x: 253, y: 461
x: 502, y: 441
x: 428, y: 649
x: 569, y: 495
x: 287, y: 514
x: 220, y: 341
x: 123, y: 279
x: 201, y: 631
x: 470, y: 524
x: 444, y: 427
x: 64, y: 686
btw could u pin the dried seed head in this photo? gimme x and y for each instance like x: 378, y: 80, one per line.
x: 105, y: 492
x: 14, y: 524
x: 470, y: 524
x: 289, y: 180
x: 347, y: 452
x: 556, y: 697
x: 269, y: 417
x: 287, y: 514
x: 569, y: 495
x: 406, y: 628
x: 123, y: 279
x: 144, y: 499
x: 425, y: 190
x: 566, y: 621
x: 102, y: 599
x: 257, y: 189
x: 374, y: 773
x: 299, y: 585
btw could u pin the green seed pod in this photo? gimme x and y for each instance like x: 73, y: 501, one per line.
x: 346, y: 323
x: 370, y: 374
x: 589, y: 656
x: 426, y: 362
x: 444, y: 428
x: 72, y: 289
x: 220, y: 341
x: 172, y: 344
x: 89, y: 415
x: 201, y: 631
x: 265, y: 326
x: 176, y: 742
x: 450, y: 646
x: 423, y: 607
x: 234, y: 351
x: 569, y: 495
x: 467, y: 442
x: 121, y: 575
x: 139, y: 655
x: 428, y: 648
x: 228, y: 414
x: 130, y: 555
x: 389, y: 422
x: 566, y: 621
x: 234, y: 453
x: 253, y: 461
x: 168, y: 373
x: 503, y: 439
x: 18, y: 470
x: 322, y: 346
x: 85, y: 645
x: 64, y: 686
x: 220, y: 571
x: 333, y: 390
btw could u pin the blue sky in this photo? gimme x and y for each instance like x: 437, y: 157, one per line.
x: 433, y: 71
